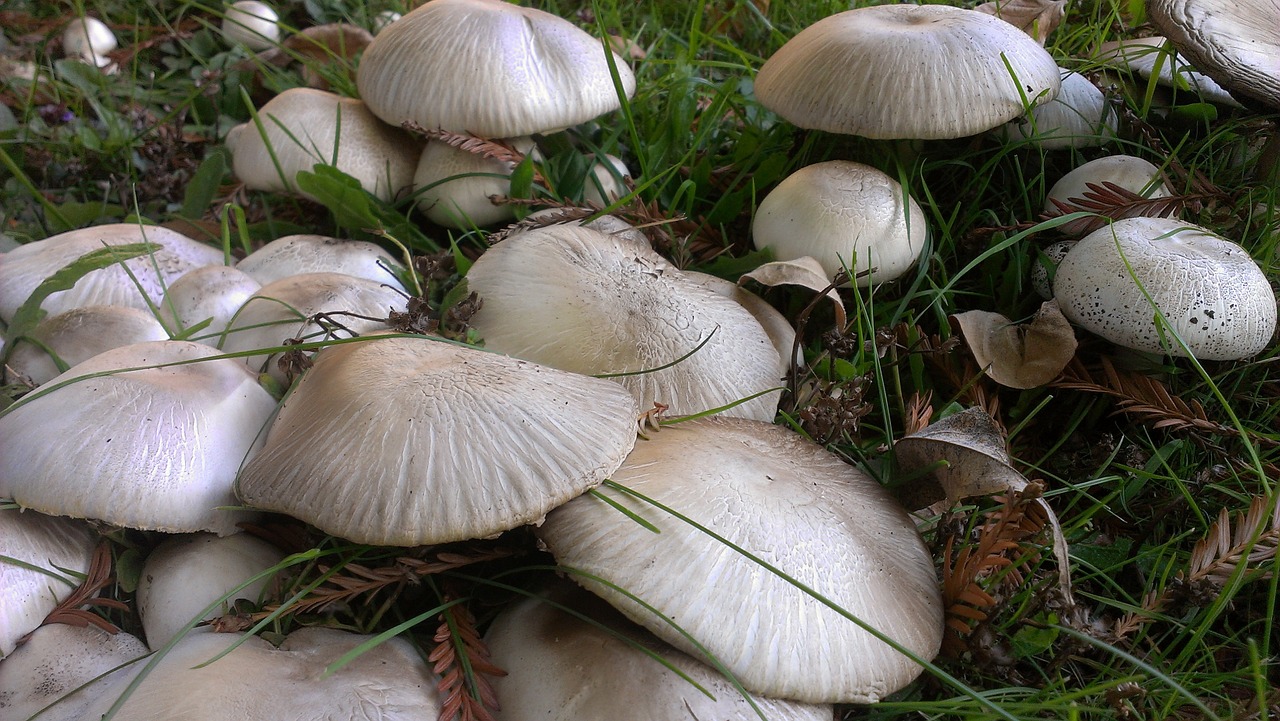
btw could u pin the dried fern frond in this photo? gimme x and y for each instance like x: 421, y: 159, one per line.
x: 461, y: 659
x: 1110, y: 201
x: 69, y: 611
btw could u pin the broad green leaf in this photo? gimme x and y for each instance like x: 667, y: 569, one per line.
x: 203, y: 187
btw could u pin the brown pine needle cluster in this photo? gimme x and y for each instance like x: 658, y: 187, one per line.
x: 1109, y: 202
x: 70, y: 611
x: 461, y: 659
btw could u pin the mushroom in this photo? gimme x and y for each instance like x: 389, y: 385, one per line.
x: 305, y: 127
x: 607, y: 180
x: 1237, y: 44
x: 408, y: 441
x: 1046, y: 265
x: 454, y: 186
x: 252, y: 24
x: 846, y: 215
x: 907, y: 71
x: 37, y: 554
x: 490, y: 68
x: 1079, y: 117
x: 299, y: 254
x: 1211, y: 294
x: 155, y: 448
x: 792, y: 504
x: 52, y: 675
x: 89, y: 39
x: 210, y: 295
x: 1130, y: 173
x: 78, y: 335
x: 574, y: 298
x: 1154, y: 56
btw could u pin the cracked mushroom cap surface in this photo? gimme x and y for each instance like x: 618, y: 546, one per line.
x: 1213, y: 294
x: 490, y: 68
x: 153, y: 449
x: 412, y: 441
x: 789, y: 502
x: 590, y: 302
x: 922, y: 72
x: 1236, y: 43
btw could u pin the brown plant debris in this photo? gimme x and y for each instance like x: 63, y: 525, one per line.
x: 70, y: 612
x: 461, y: 659
x: 1110, y: 202
x: 1036, y: 18
x: 1214, y: 560
x: 498, y: 150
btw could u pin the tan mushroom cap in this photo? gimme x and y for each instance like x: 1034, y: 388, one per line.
x: 211, y: 296
x: 1236, y: 43
x: 152, y: 449
x: 27, y: 595
x: 410, y: 441
x: 907, y: 71
x: 305, y: 127
x: 1213, y: 294
x: 793, y: 504
x: 488, y: 67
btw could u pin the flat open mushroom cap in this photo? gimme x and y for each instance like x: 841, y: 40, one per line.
x: 1211, y: 291
x: 585, y: 301
x: 153, y: 449
x: 28, y: 595
x: 907, y: 71
x: 1236, y: 43
x: 792, y: 504
x: 411, y: 441
x: 1151, y: 55
x: 488, y: 67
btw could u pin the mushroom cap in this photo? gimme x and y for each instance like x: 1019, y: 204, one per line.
x: 488, y: 67
x: 775, y: 324
x: 846, y: 215
x: 185, y: 574
x: 88, y: 38
x: 410, y: 441
x: 153, y: 449
x: 1213, y: 294
x: 1079, y: 117
x: 1129, y: 172
x: 305, y: 127
x: 907, y: 71
x: 564, y: 668
x: 78, y: 335
x: 25, y: 267
x: 785, y: 499
x: 298, y: 254
x: 463, y: 201
x: 585, y: 301
x: 252, y: 24
x: 57, y: 545
x: 1236, y: 43
x: 213, y: 293
x: 1142, y: 55
x: 54, y: 662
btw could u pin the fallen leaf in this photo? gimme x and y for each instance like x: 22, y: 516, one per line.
x: 1036, y: 18
x: 960, y: 456
x: 805, y: 272
x: 1019, y: 356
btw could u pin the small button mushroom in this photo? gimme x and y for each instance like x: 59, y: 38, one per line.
x: 252, y: 24
x: 89, y: 39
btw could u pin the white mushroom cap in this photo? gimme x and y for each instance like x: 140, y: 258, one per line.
x: 846, y: 215
x: 564, y: 668
x: 183, y: 575
x: 1142, y: 55
x: 605, y: 182
x: 574, y: 298
x: 305, y: 127
x: 89, y: 39
x: 463, y: 201
x: 56, y: 661
x: 775, y: 324
x: 1131, y: 173
x: 411, y: 441
x: 24, y: 268
x: 1079, y: 117
x: 488, y: 67
x: 153, y: 449
x: 1214, y: 296
x: 59, y: 546
x: 1237, y: 43
x: 213, y: 293
x: 1053, y: 254
x: 78, y: 335
x: 788, y: 501
x: 252, y: 24
x: 907, y: 71
x: 298, y: 254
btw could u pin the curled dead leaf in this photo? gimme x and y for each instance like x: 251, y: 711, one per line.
x: 1036, y: 18
x: 1020, y: 356
x: 960, y: 456
x: 805, y: 272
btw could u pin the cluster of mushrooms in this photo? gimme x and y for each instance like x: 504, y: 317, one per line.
x: 775, y: 578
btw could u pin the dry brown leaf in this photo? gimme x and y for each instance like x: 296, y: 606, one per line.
x: 627, y: 48
x: 1036, y: 18
x: 805, y: 272
x: 1020, y: 356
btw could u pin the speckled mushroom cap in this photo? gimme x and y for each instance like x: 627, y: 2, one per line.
x: 846, y: 215
x: 589, y: 302
x: 25, y: 267
x: 152, y: 449
x: 48, y: 544
x: 791, y: 503
x: 1237, y: 43
x: 564, y: 668
x: 907, y: 71
x: 1143, y: 55
x: 298, y: 254
x: 411, y: 441
x: 488, y: 67
x: 43, y: 675
x: 305, y: 127
x: 78, y: 335
x: 1214, y: 296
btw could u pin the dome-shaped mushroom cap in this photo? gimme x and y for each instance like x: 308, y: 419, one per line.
x: 213, y: 293
x: 796, y: 506
x: 574, y: 298
x: 304, y: 126
x: 564, y: 668
x: 28, y: 594
x: 454, y: 185
x: 1214, y: 296
x: 153, y: 449
x: 55, y: 661
x: 1236, y: 43
x: 844, y: 214
x: 252, y: 24
x: 1079, y: 117
x: 907, y: 71
x: 298, y: 254
x: 25, y: 267
x: 1129, y: 172
x: 411, y: 441
x: 488, y: 67
x: 78, y: 335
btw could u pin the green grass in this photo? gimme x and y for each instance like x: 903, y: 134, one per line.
x: 1134, y: 495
